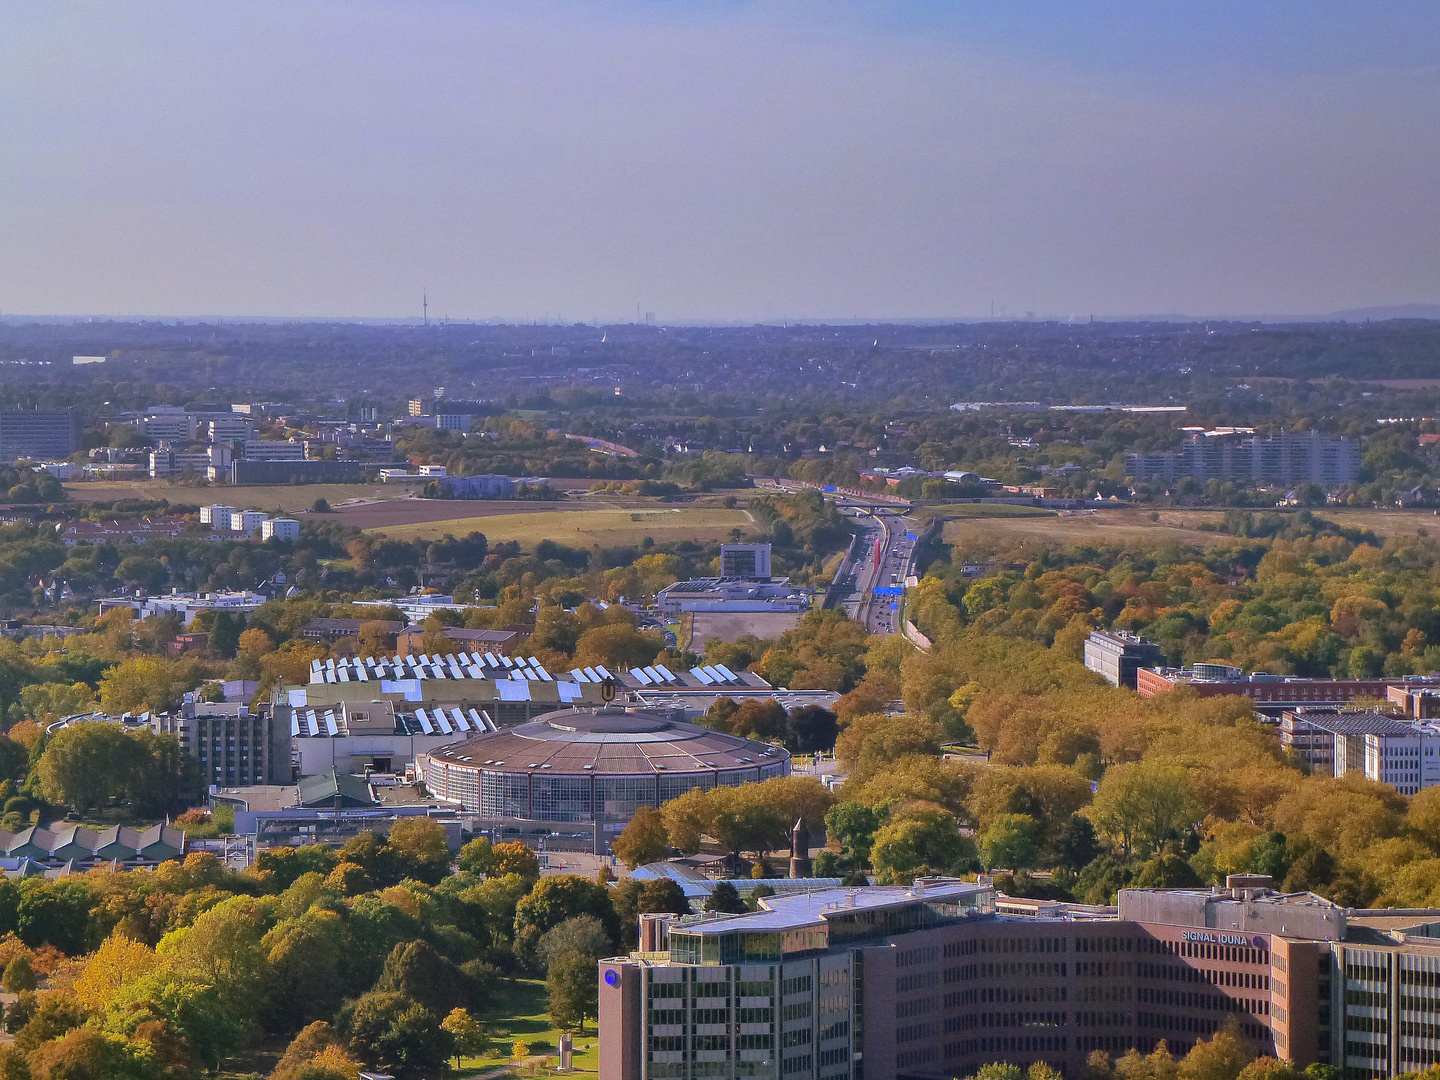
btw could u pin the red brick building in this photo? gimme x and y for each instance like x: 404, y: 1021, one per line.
x: 1272, y: 694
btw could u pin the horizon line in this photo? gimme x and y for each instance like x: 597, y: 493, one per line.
x: 1372, y: 313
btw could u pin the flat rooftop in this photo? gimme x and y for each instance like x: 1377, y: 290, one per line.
x: 812, y: 908
x: 1369, y: 722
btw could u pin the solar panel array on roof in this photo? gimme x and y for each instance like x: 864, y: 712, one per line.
x: 716, y: 675
x: 465, y: 665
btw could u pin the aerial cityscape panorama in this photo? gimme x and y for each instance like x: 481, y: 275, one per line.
x: 696, y: 540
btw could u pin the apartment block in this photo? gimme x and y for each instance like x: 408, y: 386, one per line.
x: 280, y: 529
x: 39, y: 435
x: 1239, y: 455
x: 232, y: 744
x: 248, y: 522
x: 218, y: 516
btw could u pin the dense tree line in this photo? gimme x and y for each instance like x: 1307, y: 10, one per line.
x: 379, y: 952
x: 1292, y: 594
x: 693, y: 372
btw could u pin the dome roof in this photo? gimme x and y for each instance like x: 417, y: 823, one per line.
x: 608, y: 741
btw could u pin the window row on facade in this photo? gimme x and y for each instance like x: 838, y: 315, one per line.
x: 567, y: 798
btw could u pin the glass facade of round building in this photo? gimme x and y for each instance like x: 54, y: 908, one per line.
x: 582, y: 765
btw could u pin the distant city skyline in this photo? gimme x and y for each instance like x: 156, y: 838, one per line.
x: 719, y: 161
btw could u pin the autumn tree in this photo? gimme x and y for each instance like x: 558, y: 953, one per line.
x: 809, y: 729
x: 1157, y: 1065
x: 467, y: 1035
x: 1221, y: 1057
x: 923, y: 778
x: 19, y: 976
x: 1011, y: 841
x: 1143, y: 804
x: 420, y: 843
x: 376, y: 638
x: 998, y: 1070
x: 290, y: 663
x: 762, y: 719
x: 399, y: 1036
x: 46, y: 703
x: 86, y: 764
x: 573, y: 990
x: 725, y: 898
x: 555, y: 899
x: 923, y: 843
x: 315, y: 1039
x: 721, y: 712
x: 148, y: 682
x: 514, y: 857
x: 618, y: 645
x: 86, y: 1052
x: 1269, y: 1068
x: 748, y: 817
x: 643, y: 840
x: 869, y: 744
x: 476, y: 856
x: 256, y: 642
x: 583, y: 934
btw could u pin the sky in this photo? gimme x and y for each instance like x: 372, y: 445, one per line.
x: 717, y: 160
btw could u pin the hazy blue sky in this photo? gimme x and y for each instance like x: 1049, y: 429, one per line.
x: 718, y: 160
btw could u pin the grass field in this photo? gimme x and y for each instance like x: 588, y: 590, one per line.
x: 1099, y: 527
x: 288, y: 497
x: 582, y: 528
x: 983, y: 510
x: 525, y: 1017
x: 1135, y: 526
x: 1385, y: 522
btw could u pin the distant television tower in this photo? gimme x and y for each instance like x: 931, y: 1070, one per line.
x: 425, y: 309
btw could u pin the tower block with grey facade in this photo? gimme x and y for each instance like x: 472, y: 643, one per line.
x: 232, y: 744
x: 1119, y: 656
x: 750, y: 562
x: 39, y: 435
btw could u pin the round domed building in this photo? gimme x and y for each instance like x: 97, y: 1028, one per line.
x: 595, y: 765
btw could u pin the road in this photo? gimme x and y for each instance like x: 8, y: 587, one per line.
x: 861, y: 575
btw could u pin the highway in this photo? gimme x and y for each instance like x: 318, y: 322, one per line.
x: 862, y: 574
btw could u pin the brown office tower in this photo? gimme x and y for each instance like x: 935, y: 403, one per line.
x: 934, y: 980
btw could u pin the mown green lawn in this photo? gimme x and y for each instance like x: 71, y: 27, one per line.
x: 526, y: 1018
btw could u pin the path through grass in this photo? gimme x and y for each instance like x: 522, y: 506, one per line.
x: 526, y: 1018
